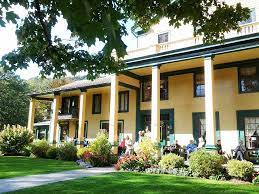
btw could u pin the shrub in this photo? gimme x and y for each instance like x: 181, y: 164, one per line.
x: 67, y: 152
x: 147, y: 149
x: 39, y: 148
x: 130, y: 163
x: 80, y: 152
x: 240, y: 169
x: 13, y: 139
x: 205, y: 164
x: 52, y: 152
x: 99, y: 152
x: 171, y: 161
x: 26, y: 151
x: 256, y: 180
x: 101, y: 145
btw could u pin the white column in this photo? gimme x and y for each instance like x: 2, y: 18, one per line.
x: 31, y: 115
x: 53, y: 134
x: 113, y: 120
x: 209, y: 102
x: 155, y: 107
x: 82, y: 114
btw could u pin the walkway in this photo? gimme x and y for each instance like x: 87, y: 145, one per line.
x: 12, y: 184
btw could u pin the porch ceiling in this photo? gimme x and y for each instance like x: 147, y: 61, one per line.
x: 198, y: 62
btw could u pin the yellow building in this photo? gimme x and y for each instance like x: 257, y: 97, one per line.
x: 179, y: 87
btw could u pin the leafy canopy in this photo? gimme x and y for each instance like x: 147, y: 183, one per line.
x: 103, y: 20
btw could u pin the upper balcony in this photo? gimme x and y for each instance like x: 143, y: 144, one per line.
x: 246, y: 29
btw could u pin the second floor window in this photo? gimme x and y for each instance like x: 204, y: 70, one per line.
x: 249, y: 79
x: 199, y: 86
x: 97, y: 104
x: 124, y: 101
x: 163, y: 38
x: 69, y: 105
x: 147, y: 90
x: 251, y: 19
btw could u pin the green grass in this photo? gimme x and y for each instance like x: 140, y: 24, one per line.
x: 21, y: 166
x: 134, y: 183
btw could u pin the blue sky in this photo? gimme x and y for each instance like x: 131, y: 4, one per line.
x: 8, y: 42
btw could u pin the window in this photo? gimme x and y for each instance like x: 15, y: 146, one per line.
x: 248, y: 79
x: 147, y: 90
x: 124, y: 101
x: 97, y: 103
x: 199, y: 85
x: 251, y: 19
x: 70, y: 105
x: 199, y: 126
x: 163, y: 38
x: 251, y: 132
x: 105, y: 125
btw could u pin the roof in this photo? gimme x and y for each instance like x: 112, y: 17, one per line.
x: 79, y: 85
x: 83, y: 84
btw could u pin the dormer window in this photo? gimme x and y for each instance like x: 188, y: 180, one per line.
x: 251, y: 19
x: 162, y: 38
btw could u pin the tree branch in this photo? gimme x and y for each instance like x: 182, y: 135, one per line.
x: 40, y: 16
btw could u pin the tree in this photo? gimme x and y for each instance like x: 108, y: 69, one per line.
x: 104, y: 20
x: 14, y: 102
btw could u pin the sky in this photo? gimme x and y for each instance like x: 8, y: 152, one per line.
x: 8, y: 42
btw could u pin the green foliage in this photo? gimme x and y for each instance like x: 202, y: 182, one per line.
x: 81, y: 151
x: 101, y: 145
x: 13, y: 139
x: 67, y: 152
x: 205, y: 164
x: 256, y: 180
x: 39, y: 148
x: 130, y: 163
x: 99, y: 151
x: 147, y: 149
x: 240, y: 169
x: 14, y: 100
x: 105, y: 21
x: 171, y: 161
x: 52, y: 152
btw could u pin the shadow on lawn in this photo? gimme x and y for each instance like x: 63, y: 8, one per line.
x: 142, y: 183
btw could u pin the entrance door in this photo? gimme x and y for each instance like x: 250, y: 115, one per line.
x: 164, y: 127
x: 199, y: 126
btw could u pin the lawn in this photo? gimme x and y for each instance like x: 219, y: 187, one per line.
x: 21, y: 166
x: 134, y: 183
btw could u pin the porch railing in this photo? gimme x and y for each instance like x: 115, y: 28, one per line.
x: 189, y: 41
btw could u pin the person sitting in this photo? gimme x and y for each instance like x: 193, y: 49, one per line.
x: 240, y: 151
x: 129, y: 146
x: 191, y: 147
x: 219, y: 147
x: 201, y: 143
x: 122, y: 147
x: 174, y: 148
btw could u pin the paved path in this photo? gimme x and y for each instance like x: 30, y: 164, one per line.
x: 12, y: 184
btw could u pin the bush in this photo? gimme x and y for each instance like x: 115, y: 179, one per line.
x: 13, y: 139
x: 99, y: 152
x: 39, y: 148
x: 176, y: 171
x: 80, y: 152
x: 256, y: 180
x: 205, y: 164
x: 147, y: 149
x: 171, y: 161
x: 240, y: 169
x: 52, y: 153
x: 130, y: 163
x: 67, y: 152
x: 26, y: 151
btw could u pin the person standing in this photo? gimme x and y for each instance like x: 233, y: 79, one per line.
x: 129, y: 146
